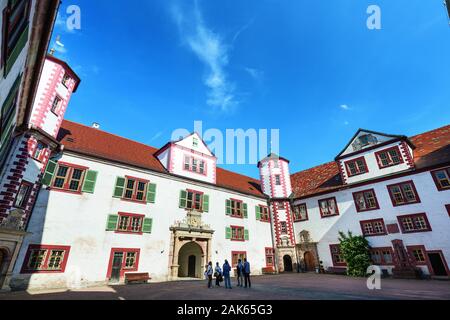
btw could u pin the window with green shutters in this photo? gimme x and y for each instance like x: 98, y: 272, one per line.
x: 236, y: 233
x: 262, y: 213
x: 68, y: 177
x: 227, y: 233
x: 111, y: 225
x: 8, y: 118
x: 151, y: 193
x: 148, y: 224
x: 119, y: 187
x: 49, y: 172
x: 194, y: 200
x: 90, y: 180
x: 15, y: 31
x: 236, y: 208
x: 134, y: 189
x: 129, y: 223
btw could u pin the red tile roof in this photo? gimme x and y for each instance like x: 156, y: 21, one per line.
x: 432, y: 148
x: 93, y: 142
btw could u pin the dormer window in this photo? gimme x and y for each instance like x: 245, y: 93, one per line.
x: 364, y: 141
x: 356, y: 167
x: 389, y: 157
x: 195, y: 142
x: 194, y: 165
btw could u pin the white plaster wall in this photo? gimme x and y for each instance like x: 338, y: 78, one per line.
x: 164, y: 158
x: 372, y: 165
x: 80, y: 221
x: 265, y: 178
x: 325, y: 231
x: 188, y: 143
x: 51, y: 119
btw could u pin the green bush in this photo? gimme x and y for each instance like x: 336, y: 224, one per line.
x: 355, y: 251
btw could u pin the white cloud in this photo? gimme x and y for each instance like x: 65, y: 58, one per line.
x: 346, y: 123
x: 156, y: 136
x: 255, y: 73
x: 344, y: 107
x: 239, y: 32
x: 209, y: 48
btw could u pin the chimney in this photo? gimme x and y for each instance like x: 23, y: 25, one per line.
x: 95, y: 125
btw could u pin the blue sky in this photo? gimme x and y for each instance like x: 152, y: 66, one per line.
x: 311, y: 69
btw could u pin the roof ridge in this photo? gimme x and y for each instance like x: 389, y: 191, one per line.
x: 111, y: 134
x: 410, y: 137
x: 429, y: 131
x: 143, y: 144
x: 315, y: 167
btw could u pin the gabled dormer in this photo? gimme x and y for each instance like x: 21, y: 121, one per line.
x: 371, y: 154
x: 189, y: 157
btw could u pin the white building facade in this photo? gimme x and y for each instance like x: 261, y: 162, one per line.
x: 92, y: 207
x: 393, y: 190
x: 97, y: 219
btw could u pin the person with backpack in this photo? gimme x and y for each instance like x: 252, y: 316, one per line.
x: 218, y: 275
x: 247, y: 273
x: 240, y: 273
x: 226, y: 274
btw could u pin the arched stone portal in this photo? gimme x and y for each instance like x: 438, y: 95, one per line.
x: 190, y: 247
x: 190, y: 258
x: 287, y: 262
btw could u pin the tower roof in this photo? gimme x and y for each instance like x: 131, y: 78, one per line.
x: 272, y: 156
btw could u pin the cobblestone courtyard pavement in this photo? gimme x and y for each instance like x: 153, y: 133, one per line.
x: 278, y: 287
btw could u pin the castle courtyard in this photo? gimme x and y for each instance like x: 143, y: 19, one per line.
x: 288, y: 286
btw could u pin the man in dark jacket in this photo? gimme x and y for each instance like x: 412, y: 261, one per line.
x: 226, y: 274
x: 247, y: 273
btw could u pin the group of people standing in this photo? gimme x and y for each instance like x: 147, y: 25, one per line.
x: 223, y: 274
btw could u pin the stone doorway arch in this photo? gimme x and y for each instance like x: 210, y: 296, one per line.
x: 190, y: 245
x: 190, y: 259
x: 287, y: 263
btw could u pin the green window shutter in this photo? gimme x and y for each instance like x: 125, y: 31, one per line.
x: 228, y: 207
x: 183, y: 198
x: 258, y: 212
x: 49, y: 172
x: 112, y: 222
x: 17, y: 50
x: 205, y: 203
x: 245, y: 210
x: 151, y: 193
x: 147, y: 226
x: 89, y: 181
x: 119, y: 187
x: 246, y: 235
x: 227, y: 233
